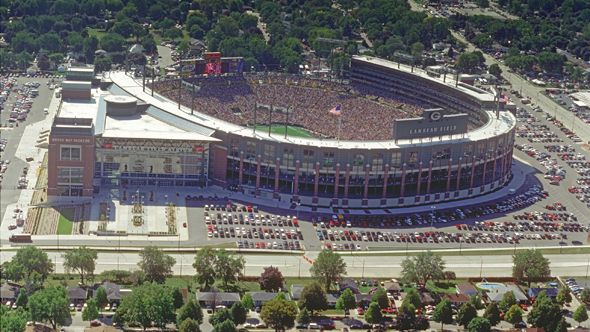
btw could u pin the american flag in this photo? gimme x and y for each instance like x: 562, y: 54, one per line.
x: 336, y: 110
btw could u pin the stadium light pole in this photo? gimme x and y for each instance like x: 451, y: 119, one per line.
x: 179, y: 90
x: 270, y: 119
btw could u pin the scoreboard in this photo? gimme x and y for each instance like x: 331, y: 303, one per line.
x: 213, y: 63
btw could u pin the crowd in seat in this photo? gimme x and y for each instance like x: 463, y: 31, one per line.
x: 367, y: 113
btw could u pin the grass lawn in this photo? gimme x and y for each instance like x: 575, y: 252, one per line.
x: 397, y: 251
x: 280, y: 130
x: 441, y: 287
x: 98, y: 33
x: 65, y: 224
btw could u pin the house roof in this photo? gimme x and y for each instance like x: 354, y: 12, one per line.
x: 426, y: 297
x: 8, y: 292
x: 534, y: 292
x: 77, y: 293
x: 218, y: 297
x: 331, y: 298
x: 296, y: 291
x: 457, y: 298
x: 263, y: 296
x: 497, y: 294
x: 113, y: 290
x: 392, y: 286
x: 467, y: 289
x: 363, y: 297
x: 350, y: 284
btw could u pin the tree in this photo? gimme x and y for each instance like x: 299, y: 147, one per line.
x: 585, y: 295
x: 177, y: 298
x: 513, y: 315
x: 205, y: 262
x: 189, y: 325
x: 483, y: 3
x: 530, y: 264
x: 373, y: 314
x: 189, y: 310
x: 581, y: 314
x: 380, y: 297
x: 465, y: 314
x: 22, y: 299
x: 313, y: 298
x: 81, y: 259
x: 13, y: 320
x: 423, y: 267
x: 476, y: 302
x: 279, y: 314
x: 328, y: 267
x: 90, y: 312
x: 238, y: 313
x: 406, y: 317
x: 103, y: 63
x: 29, y: 264
x: 492, y: 314
x: 112, y: 42
x: 247, y: 301
x: 413, y: 298
x: 417, y: 49
x: 562, y: 325
x: 545, y: 313
x: 148, y: 304
x: 303, y: 319
x: 508, y: 300
x: 50, y: 305
x: 225, y: 326
x: 229, y: 267
x: 563, y: 296
x: 271, y: 279
x: 495, y: 70
x: 220, y: 316
x: 101, y: 297
x: 443, y: 313
x: 479, y: 324
x: 347, y: 301
x: 156, y: 265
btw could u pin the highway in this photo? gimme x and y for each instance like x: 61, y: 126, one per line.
x: 357, y: 266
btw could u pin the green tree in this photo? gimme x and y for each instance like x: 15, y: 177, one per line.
x: 271, y: 279
x: 563, y: 296
x: 13, y: 320
x: 247, y: 301
x: 380, y: 297
x: 465, y: 314
x: 90, y: 312
x: 530, y: 264
x: 495, y: 70
x: 238, y: 313
x: 189, y: 310
x: 22, y: 299
x: 373, y: 314
x: 279, y: 314
x: 561, y: 326
x: 513, y: 315
x: 156, y: 265
x: 423, y: 267
x: 112, y: 42
x: 101, y: 297
x: 443, y: 313
x: 229, y: 267
x: 29, y: 264
x: 479, y: 324
x: 50, y: 305
x: 148, y: 304
x: 205, y: 262
x: 417, y: 49
x: 225, y: 326
x: 82, y: 260
x: 303, y: 319
x: 406, y: 317
x: 508, y: 300
x: 476, y: 302
x: 103, y: 63
x: 483, y: 3
x: 581, y: 314
x: 585, y: 295
x: 313, y: 298
x: 346, y: 301
x: 189, y: 325
x: 328, y: 268
x: 220, y: 316
x: 177, y: 298
x: 413, y: 298
x: 492, y: 314
x: 545, y: 313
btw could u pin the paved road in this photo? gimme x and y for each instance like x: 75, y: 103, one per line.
x: 357, y: 266
x: 166, y: 56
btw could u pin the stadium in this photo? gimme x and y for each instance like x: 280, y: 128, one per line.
x: 388, y: 136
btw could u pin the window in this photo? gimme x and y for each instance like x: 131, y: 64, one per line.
x: 328, y: 159
x: 396, y: 158
x: 234, y: 148
x: 358, y: 162
x: 70, y: 175
x: 377, y: 162
x: 250, y: 151
x: 441, y: 154
x: 288, y: 158
x: 412, y: 157
x: 70, y: 153
x: 269, y: 154
x: 308, y: 159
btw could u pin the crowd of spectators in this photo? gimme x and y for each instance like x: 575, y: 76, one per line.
x: 366, y: 114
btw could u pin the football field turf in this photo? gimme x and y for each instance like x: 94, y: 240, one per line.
x: 280, y: 130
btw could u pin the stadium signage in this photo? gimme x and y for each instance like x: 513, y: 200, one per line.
x: 70, y: 140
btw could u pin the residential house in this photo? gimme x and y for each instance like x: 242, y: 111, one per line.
x: 260, y: 298
x: 363, y: 300
x: 427, y: 299
x: 495, y: 295
x: 77, y: 294
x: 467, y: 289
x: 296, y: 292
x: 534, y: 292
x: 214, y: 299
x: 331, y: 299
x: 457, y: 299
x: 350, y: 284
x: 113, y: 292
x: 393, y: 288
x: 9, y: 292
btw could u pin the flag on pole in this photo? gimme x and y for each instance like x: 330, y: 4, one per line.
x: 336, y: 110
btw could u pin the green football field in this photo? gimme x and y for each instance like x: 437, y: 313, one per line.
x: 280, y: 130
